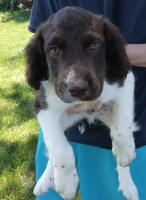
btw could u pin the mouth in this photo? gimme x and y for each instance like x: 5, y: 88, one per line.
x: 67, y: 97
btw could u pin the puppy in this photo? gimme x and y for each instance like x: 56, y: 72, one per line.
x: 78, y: 65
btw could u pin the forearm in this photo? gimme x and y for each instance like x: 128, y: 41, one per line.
x: 137, y: 54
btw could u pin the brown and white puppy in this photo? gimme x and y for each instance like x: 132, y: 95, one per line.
x: 77, y: 57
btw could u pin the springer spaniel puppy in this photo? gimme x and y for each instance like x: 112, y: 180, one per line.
x: 77, y: 62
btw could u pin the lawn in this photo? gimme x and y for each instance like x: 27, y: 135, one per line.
x: 18, y: 125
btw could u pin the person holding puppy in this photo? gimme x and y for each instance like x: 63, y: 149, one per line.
x: 94, y: 160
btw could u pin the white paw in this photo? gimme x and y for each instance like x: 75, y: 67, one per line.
x: 43, y: 185
x: 66, y: 183
x: 126, y: 184
x: 124, y: 154
x: 45, y: 182
x: 129, y: 190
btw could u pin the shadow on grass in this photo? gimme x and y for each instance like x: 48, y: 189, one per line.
x: 17, y: 161
x: 6, y: 152
x: 17, y: 16
x: 22, y: 96
x: 15, y: 154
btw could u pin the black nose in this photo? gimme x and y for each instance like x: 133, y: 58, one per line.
x: 78, y: 88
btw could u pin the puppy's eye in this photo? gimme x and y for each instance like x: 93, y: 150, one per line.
x: 94, y: 46
x: 54, y: 51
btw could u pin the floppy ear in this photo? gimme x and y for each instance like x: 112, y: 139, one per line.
x: 116, y: 57
x: 37, y: 69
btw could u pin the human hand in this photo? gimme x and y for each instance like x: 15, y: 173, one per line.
x: 136, y: 54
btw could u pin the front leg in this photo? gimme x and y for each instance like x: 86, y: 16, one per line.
x: 60, y: 152
x: 123, y: 145
x: 123, y: 126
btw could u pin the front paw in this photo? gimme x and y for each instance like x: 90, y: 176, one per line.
x: 43, y: 185
x: 129, y: 191
x: 128, y: 188
x: 46, y: 181
x: 124, y: 154
x: 66, y: 183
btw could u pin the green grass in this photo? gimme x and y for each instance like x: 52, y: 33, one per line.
x: 18, y: 125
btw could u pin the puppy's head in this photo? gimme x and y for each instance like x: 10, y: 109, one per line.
x: 76, y: 51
